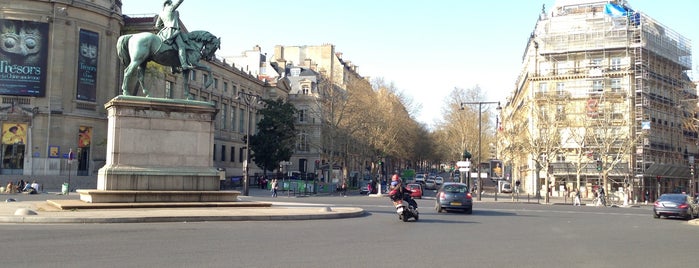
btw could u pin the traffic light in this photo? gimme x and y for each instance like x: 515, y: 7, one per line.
x: 691, y: 169
x: 599, y: 165
x: 466, y: 155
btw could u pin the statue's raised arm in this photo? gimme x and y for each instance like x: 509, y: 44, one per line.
x: 169, y: 23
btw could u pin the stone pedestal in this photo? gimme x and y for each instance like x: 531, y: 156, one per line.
x: 158, y: 150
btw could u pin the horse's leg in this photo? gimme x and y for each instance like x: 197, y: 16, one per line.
x: 141, y: 77
x: 210, y: 78
x: 185, y: 75
x: 128, y: 75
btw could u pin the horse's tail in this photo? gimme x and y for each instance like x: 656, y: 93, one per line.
x: 123, y: 49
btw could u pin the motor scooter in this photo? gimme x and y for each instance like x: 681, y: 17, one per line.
x: 405, y: 210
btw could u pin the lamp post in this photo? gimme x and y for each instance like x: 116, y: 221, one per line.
x: 480, y: 123
x: 248, y: 99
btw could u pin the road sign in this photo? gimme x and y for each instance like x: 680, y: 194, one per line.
x: 465, y: 164
x: 464, y: 169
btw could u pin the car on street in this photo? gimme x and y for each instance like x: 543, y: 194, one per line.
x: 676, y: 205
x: 454, y: 196
x: 430, y: 184
x: 416, y: 189
x: 420, y: 178
x: 439, y: 181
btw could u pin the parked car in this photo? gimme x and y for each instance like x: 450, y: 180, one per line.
x: 416, y: 188
x: 439, y: 181
x: 454, y: 195
x: 430, y: 184
x: 680, y: 205
x: 506, y: 187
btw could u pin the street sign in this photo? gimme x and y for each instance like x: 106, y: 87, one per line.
x: 465, y: 164
x: 464, y: 169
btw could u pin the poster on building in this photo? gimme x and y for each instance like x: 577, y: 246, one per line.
x: 87, y: 65
x: 54, y: 151
x: 496, y: 169
x: 23, y: 57
x: 84, y: 136
x: 14, y: 133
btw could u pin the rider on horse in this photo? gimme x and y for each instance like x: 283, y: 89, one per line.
x: 168, y: 19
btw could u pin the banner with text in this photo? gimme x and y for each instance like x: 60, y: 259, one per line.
x: 23, y: 57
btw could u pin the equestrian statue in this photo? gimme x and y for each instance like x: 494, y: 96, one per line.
x: 170, y: 47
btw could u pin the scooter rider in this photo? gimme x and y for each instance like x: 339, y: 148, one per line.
x: 398, y: 191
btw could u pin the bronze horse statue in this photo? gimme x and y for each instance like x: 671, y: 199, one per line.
x: 136, y: 50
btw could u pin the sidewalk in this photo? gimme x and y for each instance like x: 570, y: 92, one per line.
x: 25, y: 210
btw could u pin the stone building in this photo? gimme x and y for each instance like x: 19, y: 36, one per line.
x: 604, y: 99
x: 320, y: 78
x: 59, y: 66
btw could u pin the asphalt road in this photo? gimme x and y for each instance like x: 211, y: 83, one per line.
x: 496, y: 235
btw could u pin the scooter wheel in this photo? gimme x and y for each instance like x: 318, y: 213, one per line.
x: 417, y: 217
x: 404, y: 218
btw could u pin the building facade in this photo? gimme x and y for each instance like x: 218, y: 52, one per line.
x: 320, y: 82
x: 59, y: 66
x: 606, y: 100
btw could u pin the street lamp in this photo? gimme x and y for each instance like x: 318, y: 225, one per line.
x: 478, y: 163
x: 248, y: 99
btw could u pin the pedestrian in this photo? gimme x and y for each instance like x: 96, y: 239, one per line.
x: 576, y: 200
x: 343, y: 188
x: 647, y: 196
x: 275, y: 186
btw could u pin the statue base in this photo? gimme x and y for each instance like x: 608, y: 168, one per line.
x: 158, y: 150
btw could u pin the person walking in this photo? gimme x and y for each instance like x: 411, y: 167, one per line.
x: 343, y: 188
x: 275, y: 186
x: 576, y: 200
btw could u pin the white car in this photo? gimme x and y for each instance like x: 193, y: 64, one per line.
x: 439, y: 181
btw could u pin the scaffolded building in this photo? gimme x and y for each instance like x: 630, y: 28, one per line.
x: 610, y: 86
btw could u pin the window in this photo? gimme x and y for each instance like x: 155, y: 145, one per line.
x: 215, y: 83
x: 615, y: 84
x: 233, y: 108
x: 597, y: 86
x: 168, y: 90
x: 204, y: 77
x: 224, y: 114
x: 560, y: 88
x: 214, y: 154
x: 240, y: 158
x: 232, y: 154
x: 302, y: 115
x: 223, y: 153
x: 218, y: 115
x: 225, y: 86
x: 616, y: 64
x: 193, y: 75
x: 302, y: 142
x: 235, y: 90
x: 304, y: 90
x: 596, y: 63
x: 295, y: 71
x: 241, y: 121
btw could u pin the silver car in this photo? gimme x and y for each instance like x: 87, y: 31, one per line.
x: 679, y: 205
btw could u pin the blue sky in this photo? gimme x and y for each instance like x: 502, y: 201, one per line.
x: 425, y: 47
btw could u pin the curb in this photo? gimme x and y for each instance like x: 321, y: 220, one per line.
x: 201, y: 214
